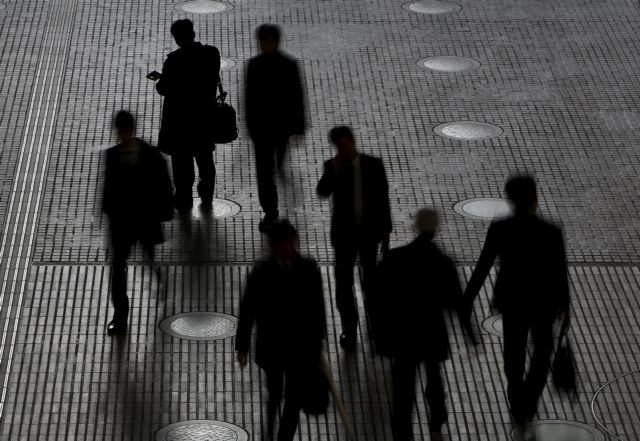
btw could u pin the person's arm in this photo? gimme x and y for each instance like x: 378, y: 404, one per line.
x: 386, y: 223
x: 163, y: 86
x: 319, y: 316
x: 164, y: 189
x: 297, y: 100
x: 107, y: 189
x: 481, y: 271
x: 563, y: 276
x: 247, y: 316
x: 249, y: 97
x: 327, y: 184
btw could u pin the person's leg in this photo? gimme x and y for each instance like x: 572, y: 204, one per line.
x: 294, y: 378
x: 368, y: 252
x: 207, y: 171
x: 345, y: 255
x: 267, y: 193
x: 183, y: 178
x: 403, y: 376
x: 435, y: 397
x: 516, y: 331
x: 542, y: 334
x: 275, y: 383
x: 281, y: 152
x: 121, y: 245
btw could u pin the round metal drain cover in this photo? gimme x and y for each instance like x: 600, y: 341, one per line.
x: 203, y: 7
x: 468, y: 130
x: 449, y: 64
x: 623, y: 389
x: 226, y: 63
x: 484, y: 208
x: 221, y: 208
x: 493, y: 325
x: 200, y: 326
x: 201, y: 430
x: 559, y: 430
x: 432, y: 7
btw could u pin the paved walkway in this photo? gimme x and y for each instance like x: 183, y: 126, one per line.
x: 559, y: 79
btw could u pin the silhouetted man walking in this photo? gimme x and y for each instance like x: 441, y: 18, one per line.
x: 275, y: 111
x: 136, y: 198
x: 188, y: 83
x: 531, y: 290
x: 414, y: 284
x: 361, y: 220
x: 284, y: 299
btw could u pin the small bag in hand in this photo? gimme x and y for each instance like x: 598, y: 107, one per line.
x: 563, y: 370
x: 225, y: 128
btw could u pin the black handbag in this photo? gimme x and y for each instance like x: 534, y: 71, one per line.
x: 225, y: 128
x: 316, y: 395
x: 563, y: 370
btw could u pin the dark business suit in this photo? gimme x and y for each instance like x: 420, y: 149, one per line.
x: 287, y: 306
x: 275, y: 110
x: 531, y: 290
x: 413, y: 285
x: 350, y: 239
x: 136, y: 198
x: 188, y: 83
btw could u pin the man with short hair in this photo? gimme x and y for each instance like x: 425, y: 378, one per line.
x: 283, y: 297
x: 188, y: 82
x: 361, y: 220
x: 275, y: 111
x: 136, y: 198
x: 414, y: 283
x: 531, y: 290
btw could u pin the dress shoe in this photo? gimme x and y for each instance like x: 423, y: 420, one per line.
x: 117, y: 327
x: 348, y: 342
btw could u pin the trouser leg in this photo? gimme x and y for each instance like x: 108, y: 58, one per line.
x: 183, y: 178
x: 294, y: 384
x: 121, y: 245
x: 281, y: 151
x: 516, y: 331
x: 275, y: 383
x: 542, y: 334
x: 345, y: 255
x: 207, y: 172
x: 434, y: 394
x: 267, y: 193
x: 368, y: 252
x: 403, y: 374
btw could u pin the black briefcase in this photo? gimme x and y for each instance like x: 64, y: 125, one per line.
x: 225, y: 128
x: 316, y: 395
x: 563, y: 370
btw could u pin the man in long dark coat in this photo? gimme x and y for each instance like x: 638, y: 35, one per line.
x: 414, y: 283
x: 188, y: 83
x: 531, y: 290
x: 275, y: 110
x: 283, y: 297
x: 136, y: 198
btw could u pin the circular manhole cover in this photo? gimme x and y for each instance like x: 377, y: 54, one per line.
x: 449, y: 64
x: 493, y: 325
x: 559, y: 430
x: 2, y: 6
x: 484, y: 208
x: 203, y: 7
x: 199, y: 326
x: 432, y: 7
x: 468, y: 130
x: 221, y: 208
x: 623, y: 390
x: 226, y: 63
x: 201, y: 430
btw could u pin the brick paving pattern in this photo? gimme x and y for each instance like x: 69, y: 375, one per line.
x: 559, y: 79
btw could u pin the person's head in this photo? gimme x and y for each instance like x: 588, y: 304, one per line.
x: 283, y: 240
x: 521, y: 190
x: 125, y: 126
x: 427, y: 222
x: 182, y: 31
x: 268, y: 36
x: 342, y: 137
